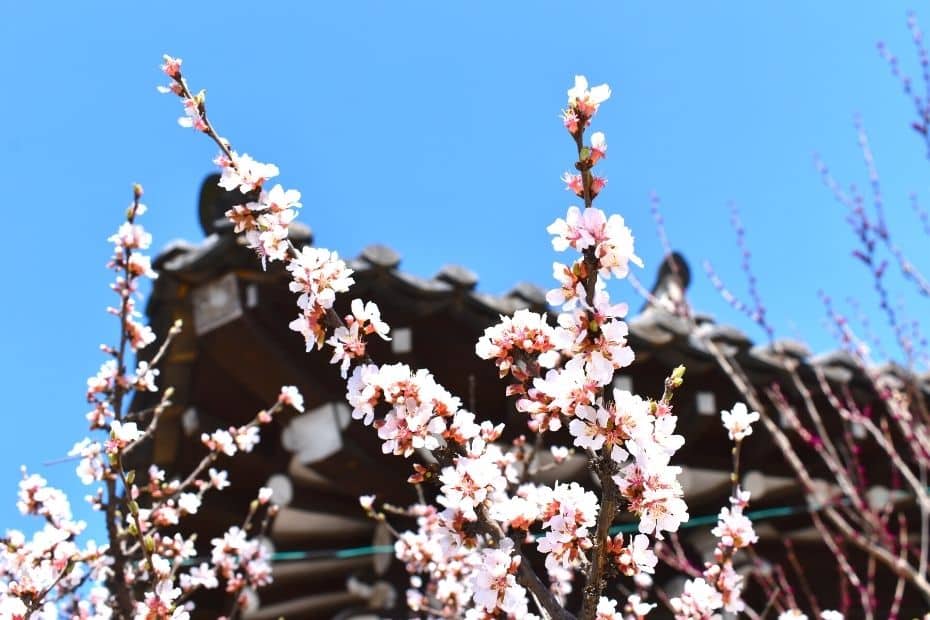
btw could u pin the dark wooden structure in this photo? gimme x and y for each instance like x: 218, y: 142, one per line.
x: 236, y: 351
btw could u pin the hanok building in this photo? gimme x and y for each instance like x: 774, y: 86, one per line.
x: 236, y: 351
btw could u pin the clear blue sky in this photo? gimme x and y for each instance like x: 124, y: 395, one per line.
x: 432, y: 127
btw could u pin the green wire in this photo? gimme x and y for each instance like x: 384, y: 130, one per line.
x: 355, y: 552
x: 753, y: 515
x: 339, y: 554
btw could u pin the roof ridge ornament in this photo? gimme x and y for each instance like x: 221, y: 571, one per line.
x: 672, y: 281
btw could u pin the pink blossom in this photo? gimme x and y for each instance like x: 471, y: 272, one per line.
x: 245, y: 173
x: 219, y: 441
x: 635, y: 558
x: 193, y: 113
x: 218, y: 479
x: 121, y: 435
x: 567, y: 517
x: 247, y: 437
x: 131, y: 237
x: 734, y: 529
x: 291, y: 397
x: 598, y: 146
x: 583, y: 103
x: 575, y: 184
x: 637, y: 607
x: 495, y: 585
x: 607, y: 610
x: 516, y: 341
x: 348, y: 341
x: 90, y: 468
x: 171, y: 67
x: 698, y: 601
x: 470, y: 484
x: 738, y: 421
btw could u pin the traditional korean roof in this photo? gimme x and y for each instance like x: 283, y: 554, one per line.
x: 236, y: 351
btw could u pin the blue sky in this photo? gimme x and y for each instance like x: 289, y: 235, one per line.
x: 434, y: 127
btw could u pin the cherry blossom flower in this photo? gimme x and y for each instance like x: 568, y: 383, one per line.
x: 366, y: 502
x: 470, y: 484
x: 698, y: 601
x: 575, y: 184
x: 495, y: 584
x: 349, y: 341
x: 121, y: 435
x: 202, y: 576
x: 583, y: 103
x: 160, y: 603
x: 408, y: 427
x: 218, y: 479
x: 193, y: 112
x: 516, y: 341
x: 246, y: 438
x: 634, y: 558
x: 317, y: 274
x: 291, y: 397
x: 571, y: 284
x: 171, y: 67
x: 598, y: 146
x: 219, y: 441
x: 90, y: 468
x: 738, y: 421
x: 244, y: 173
x: 590, y: 434
x: 637, y: 607
x: 567, y: 517
x: 734, y: 529
x: 607, y: 610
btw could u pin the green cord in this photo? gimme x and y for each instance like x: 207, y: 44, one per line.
x: 753, y: 515
x: 355, y: 552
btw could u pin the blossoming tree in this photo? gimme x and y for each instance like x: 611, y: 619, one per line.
x: 472, y: 553
x: 490, y: 539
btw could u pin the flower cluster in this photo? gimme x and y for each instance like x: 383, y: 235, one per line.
x: 420, y: 411
x: 35, y: 571
x: 473, y: 483
x: 650, y: 483
x: 633, y: 558
x: 147, y: 566
x: 583, y: 104
x: 566, y: 518
x: 348, y: 341
x: 265, y: 216
x: 517, y: 343
x: 428, y: 551
x: 610, y: 238
x: 721, y: 586
x: 466, y: 558
x: 495, y: 585
x: 698, y: 601
x: 241, y: 561
x: 317, y: 275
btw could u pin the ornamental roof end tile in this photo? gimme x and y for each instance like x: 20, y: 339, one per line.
x: 381, y: 255
x: 458, y: 276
